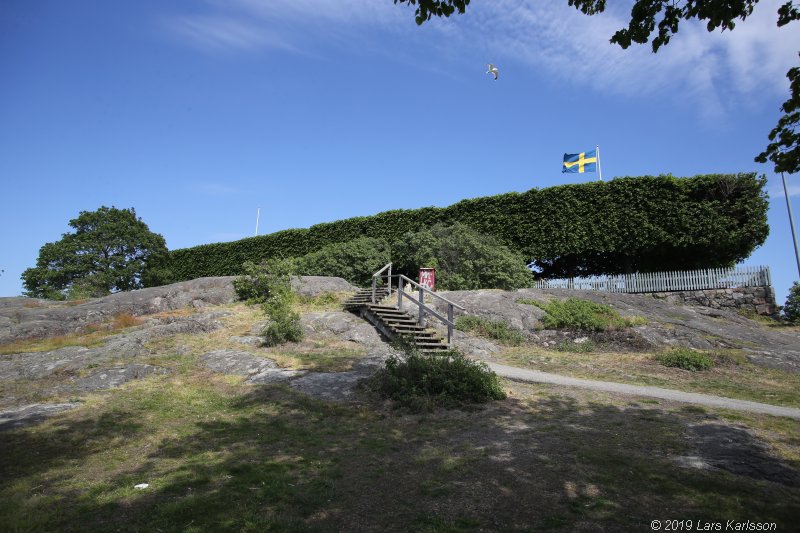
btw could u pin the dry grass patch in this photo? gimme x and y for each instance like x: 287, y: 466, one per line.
x: 320, y: 355
x: 329, y: 301
x: 90, y: 335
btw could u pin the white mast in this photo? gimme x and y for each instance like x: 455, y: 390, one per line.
x: 258, y: 214
x: 599, y: 171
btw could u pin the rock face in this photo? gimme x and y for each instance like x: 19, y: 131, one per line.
x: 317, y: 285
x: 124, y: 346
x: 667, y: 324
x: 25, y: 318
x: 31, y: 414
x: 109, y: 378
x: 121, y: 358
x: 31, y: 318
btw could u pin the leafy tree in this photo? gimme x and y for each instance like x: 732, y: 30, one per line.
x: 646, y: 15
x: 106, y: 253
x: 792, y: 307
x: 464, y: 259
x: 784, y: 150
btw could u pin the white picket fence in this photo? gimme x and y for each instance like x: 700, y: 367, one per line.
x: 688, y: 280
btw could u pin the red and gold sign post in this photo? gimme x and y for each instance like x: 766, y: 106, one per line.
x: 427, y: 278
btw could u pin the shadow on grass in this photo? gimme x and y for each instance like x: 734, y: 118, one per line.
x: 281, y: 460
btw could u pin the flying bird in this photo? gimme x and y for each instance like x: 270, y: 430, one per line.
x: 493, y: 70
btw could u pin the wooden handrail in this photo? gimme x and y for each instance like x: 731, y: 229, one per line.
x: 379, y: 272
x: 388, y: 279
x: 428, y: 309
x: 430, y: 292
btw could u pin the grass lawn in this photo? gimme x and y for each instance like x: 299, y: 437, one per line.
x: 732, y: 376
x: 220, y: 455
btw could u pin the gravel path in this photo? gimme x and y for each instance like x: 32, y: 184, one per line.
x: 535, y: 376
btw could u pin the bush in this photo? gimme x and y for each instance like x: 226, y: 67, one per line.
x: 421, y: 382
x: 260, y: 282
x: 583, y: 315
x: 284, y: 327
x: 792, y: 307
x: 686, y: 359
x: 490, y: 328
x: 269, y: 284
x: 354, y: 260
x: 464, y: 259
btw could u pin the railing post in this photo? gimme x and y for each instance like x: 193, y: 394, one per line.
x: 389, y: 280
x: 421, y: 318
x: 399, y: 293
x: 450, y: 325
x: 373, y: 289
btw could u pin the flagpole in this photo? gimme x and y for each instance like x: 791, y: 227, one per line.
x: 258, y: 215
x: 599, y: 170
x: 791, y: 222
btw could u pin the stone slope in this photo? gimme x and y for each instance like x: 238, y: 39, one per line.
x: 667, y: 324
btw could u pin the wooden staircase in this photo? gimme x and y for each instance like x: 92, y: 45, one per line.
x: 394, y: 323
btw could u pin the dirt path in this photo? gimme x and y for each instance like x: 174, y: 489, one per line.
x: 535, y: 376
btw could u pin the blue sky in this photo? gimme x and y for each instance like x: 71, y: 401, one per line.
x: 198, y: 112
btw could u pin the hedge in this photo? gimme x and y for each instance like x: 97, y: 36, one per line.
x: 629, y: 224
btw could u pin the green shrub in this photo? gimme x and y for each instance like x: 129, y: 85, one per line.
x: 792, y: 307
x: 490, y: 328
x: 584, y: 315
x: 464, y: 259
x: 421, y: 382
x: 263, y: 281
x: 686, y: 359
x: 284, y: 327
x: 354, y: 260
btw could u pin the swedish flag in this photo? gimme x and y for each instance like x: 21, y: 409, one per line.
x: 582, y: 162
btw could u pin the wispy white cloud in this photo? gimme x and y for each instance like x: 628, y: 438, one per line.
x: 286, y: 24
x: 700, y: 67
x: 716, y: 73
x: 777, y: 190
x: 223, y: 32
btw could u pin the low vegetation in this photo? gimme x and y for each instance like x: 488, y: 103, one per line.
x: 584, y: 315
x: 269, y: 284
x: 576, y: 347
x: 421, y: 382
x: 686, y: 359
x: 493, y: 329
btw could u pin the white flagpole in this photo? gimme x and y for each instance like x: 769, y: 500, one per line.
x: 258, y: 215
x: 599, y: 171
x: 791, y: 222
